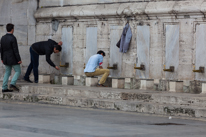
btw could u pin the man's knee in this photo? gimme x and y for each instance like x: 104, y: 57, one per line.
x: 107, y: 70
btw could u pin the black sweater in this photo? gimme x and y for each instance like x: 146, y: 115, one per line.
x: 9, y: 50
x: 45, y: 48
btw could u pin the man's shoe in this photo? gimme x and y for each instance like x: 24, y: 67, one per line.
x: 101, y: 85
x: 14, y: 87
x: 28, y: 80
x: 6, y: 90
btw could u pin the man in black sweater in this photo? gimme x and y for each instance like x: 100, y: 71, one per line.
x: 10, y: 58
x: 41, y: 48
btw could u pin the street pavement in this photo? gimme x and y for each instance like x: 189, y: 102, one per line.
x: 18, y: 119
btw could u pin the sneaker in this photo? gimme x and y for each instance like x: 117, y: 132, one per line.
x: 14, y: 87
x: 101, y: 85
x: 6, y: 90
x: 28, y: 80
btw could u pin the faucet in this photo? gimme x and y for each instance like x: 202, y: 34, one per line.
x: 114, y: 66
x: 201, y: 69
x: 142, y: 67
x: 171, y: 69
x: 66, y: 65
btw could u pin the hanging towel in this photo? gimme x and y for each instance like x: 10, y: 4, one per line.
x: 125, y: 39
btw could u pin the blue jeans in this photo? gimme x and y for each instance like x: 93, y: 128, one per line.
x: 33, y: 65
x: 17, y: 70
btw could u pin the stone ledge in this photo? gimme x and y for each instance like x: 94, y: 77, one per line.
x: 132, y: 106
x: 162, y: 8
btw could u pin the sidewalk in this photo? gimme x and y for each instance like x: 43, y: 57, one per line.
x: 144, y: 101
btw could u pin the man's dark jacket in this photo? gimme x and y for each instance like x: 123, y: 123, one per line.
x: 45, y: 48
x: 9, y: 50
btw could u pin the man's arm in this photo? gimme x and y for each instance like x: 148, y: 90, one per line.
x: 16, y: 50
x: 100, y: 63
x: 48, y: 56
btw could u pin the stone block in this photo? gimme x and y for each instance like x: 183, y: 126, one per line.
x: 44, y: 78
x: 57, y: 80
x: 79, y: 80
x: 163, y: 85
x: 128, y: 83
x: 176, y: 86
x: 5, y: 11
x: 118, y: 83
x: 91, y: 81
x: 195, y: 87
x: 203, y: 87
x: 68, y: 80
x: 156, y: 81
x: 108, y: 82
x: 19, y: 12
x: 146, y: 84
x: 21, y: 34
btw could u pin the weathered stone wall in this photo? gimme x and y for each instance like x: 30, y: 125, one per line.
x: 160, y: 16
x: 21, y: 14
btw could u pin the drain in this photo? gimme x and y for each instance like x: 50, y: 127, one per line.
x: 167, y: 124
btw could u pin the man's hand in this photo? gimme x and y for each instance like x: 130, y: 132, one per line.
x: 19, y: 62
x: 2, y: 61
x: 60, y: 43
x: 57, y: 68
x: 100, y: 67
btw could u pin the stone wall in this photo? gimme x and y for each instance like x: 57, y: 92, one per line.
x: 170, y: 26
x: 21, y: 14
x: 160, y: 16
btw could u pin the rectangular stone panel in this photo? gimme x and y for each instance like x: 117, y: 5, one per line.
x: 91, y: 42
x: 5, y: 11
x: 200, y: 51
x: 115, y: 55
x: 172, y: 50
x: 19, y: 12
x: 67, y: 50
x: 143, y: 50
x: 21, y: 34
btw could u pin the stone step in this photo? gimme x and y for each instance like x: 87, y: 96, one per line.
x: 124, y: 105
x: 115, y: 94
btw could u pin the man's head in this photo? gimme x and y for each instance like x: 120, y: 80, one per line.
x: 101, y: 53
x: 57, y: 48
x: 10, y: 28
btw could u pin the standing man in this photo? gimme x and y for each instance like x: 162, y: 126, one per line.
x: 92, y: 70
x: 41, y: 48
x: 10, y: 58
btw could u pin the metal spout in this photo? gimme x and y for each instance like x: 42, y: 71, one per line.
x: 171, y: 69
x: 114, y: 66
x: 142, y: 67
x: 66, y: 65
x: 201, y: 70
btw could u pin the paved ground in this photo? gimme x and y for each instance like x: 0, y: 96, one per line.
x: 36, y: 120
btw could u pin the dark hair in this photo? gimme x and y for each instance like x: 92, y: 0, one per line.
x: 58, y: 47
x: 100, y: 52
x: 9, y: 27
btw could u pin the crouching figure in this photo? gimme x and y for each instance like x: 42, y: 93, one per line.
x: 92, y: 69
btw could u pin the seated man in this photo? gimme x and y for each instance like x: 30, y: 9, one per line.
x: 92, y: 70
x: 41, y: 48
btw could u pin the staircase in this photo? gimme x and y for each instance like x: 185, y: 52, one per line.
x: 154, y: 102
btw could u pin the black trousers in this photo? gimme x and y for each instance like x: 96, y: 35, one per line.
x: 33, y: 65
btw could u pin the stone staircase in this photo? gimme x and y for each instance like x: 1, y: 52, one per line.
x: 143, y: 101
